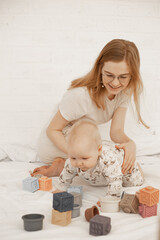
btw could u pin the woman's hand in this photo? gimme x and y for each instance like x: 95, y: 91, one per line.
x: 129, y: 155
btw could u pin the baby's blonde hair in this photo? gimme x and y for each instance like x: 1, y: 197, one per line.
x: 83, y: 127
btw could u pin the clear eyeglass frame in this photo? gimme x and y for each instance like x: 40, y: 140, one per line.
x: 122, y: 79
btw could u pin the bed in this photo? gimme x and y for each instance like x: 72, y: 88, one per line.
x: 17, y: 161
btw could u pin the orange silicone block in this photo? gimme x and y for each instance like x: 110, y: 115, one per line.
x: 61, y: 218
x: 149, y: 196
x: 45, y: 183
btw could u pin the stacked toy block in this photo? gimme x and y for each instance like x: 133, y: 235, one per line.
x: 148, y: 198
x: 77, y: 198
x: 62, y: 208
x: 77, y: 189
x: 77, y: 192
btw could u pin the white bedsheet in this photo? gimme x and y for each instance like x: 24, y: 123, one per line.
x: 15, y: 202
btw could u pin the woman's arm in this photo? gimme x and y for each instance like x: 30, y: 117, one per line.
x: 54, y: 131
x: 117, y: 135
x: 117, y: 126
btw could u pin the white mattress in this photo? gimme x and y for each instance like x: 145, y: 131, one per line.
x: 15, y: 202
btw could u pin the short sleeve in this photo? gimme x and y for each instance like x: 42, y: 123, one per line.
x: 123, y: 100
x: 74, y: 104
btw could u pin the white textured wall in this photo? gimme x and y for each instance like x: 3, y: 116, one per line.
x: 44, y: 44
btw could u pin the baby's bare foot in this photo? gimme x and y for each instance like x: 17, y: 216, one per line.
x: 56, y: 168
x: 39, y: 170
x: 51, y: 171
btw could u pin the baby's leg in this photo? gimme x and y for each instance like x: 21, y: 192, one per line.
x: 51, y: 171
x: 50, y: 155
x: 136, y: 178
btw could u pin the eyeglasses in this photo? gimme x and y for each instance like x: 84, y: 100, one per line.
x: 123, y: 79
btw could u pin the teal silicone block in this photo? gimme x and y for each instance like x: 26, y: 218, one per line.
x: 30, y: 184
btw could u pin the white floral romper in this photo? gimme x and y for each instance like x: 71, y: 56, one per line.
x: 107, y: 172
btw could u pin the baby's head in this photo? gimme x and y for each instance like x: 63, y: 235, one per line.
x: 84, y: 144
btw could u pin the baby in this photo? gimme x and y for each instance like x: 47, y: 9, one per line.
x: 99, y: 165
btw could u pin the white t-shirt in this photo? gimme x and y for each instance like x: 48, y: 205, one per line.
x: 77, y: 103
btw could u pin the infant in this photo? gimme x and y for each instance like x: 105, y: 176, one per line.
x: 98, y: 164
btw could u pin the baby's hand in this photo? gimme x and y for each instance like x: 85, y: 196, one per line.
x: 99, y: 204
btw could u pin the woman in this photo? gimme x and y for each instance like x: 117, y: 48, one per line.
x: 102, y: 95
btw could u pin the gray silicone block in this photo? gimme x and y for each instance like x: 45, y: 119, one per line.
x: 76, y: 211
x: 78, y: 189
x: 77, y: 198
x: 33, y: 222
x: 99, y: 225
x: 30, y: 184
x: 63, y: 201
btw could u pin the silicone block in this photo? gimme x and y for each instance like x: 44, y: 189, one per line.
x: 147, y: 211
x: 45, y: 183
x: 33, y: 222
x: 99, y: 225
x: 30, y: 184
x: 61, y: 218
x: 129, y: 203
x: 149, y: 196
x: 77, y: 198
x: 77, y: 189
x: 63, y: 201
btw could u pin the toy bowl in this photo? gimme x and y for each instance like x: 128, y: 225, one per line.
x: 76, y: 211
x: 91, y: 212
x: 109, y: 204
x: 33, y: 222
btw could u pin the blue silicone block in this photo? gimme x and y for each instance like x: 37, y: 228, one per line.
x: 30, y: 184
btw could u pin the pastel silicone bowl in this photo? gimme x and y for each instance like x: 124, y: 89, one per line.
x: 33, y: 221
x: 109, y: 204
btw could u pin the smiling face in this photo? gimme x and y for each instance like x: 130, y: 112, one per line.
x: 83, y: 152
x: 115, y: 77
